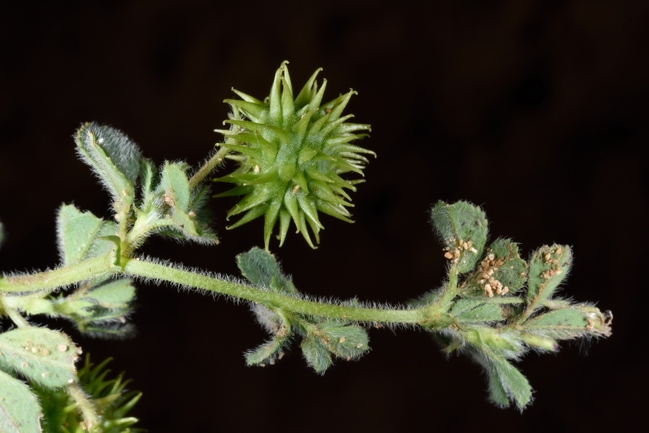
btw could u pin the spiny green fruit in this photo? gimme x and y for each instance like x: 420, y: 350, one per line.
x: 292, y: 152
x: 109, y: 397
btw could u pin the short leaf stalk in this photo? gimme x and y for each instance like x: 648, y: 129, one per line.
x: 291, y: 151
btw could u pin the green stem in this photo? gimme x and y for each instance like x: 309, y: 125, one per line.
x: 14, y: 315
x: 61, y: 277
x: 141, y: 229
x: 85, y: 406
x: 433, y: 316
x: 156, y: 271
x: 209, y: 165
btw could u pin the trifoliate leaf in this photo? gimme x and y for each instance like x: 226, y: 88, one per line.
x: 41, y: 355
x: 20, y: 411
x: 462, y: 227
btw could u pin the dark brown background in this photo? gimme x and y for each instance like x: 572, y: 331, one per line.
x: 534, y: 109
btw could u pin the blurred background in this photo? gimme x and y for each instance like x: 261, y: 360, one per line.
x: 536, y: 110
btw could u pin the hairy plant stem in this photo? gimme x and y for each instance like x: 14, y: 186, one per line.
x: 84, y: 405
x: 13, y: 315
x: 208, y: 166
x: 149, y: 270
x: 60, y: 277
x: 432, y: 316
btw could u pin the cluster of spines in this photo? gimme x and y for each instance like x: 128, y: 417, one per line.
x: 292, y: 152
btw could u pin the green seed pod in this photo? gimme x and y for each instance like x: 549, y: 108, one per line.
x: 292, y: 152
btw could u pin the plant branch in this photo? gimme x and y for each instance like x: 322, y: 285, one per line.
x: 85, y: 406
x: 60, y: 277
x: 150, y: 270
x: 208, y: 166
x: 14, y: 315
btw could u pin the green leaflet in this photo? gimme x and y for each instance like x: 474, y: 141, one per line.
x: 101, y: 310
x: 568, y: 323
x: 113, y: 295
x: 462, y: 305
x: 539, y: 342
x: 149, y: 181
x: 481, y: 313
x: 342, y: 340
x: 548, y: 266
x: 506, y: 383
x: 501, y: 341
x: 566, y: 318
x: 463, y: 229
x: 316, y: 354
x: 262, y: 270
x: 268, y: 352
x: 20, y: 411
x: 177, y: 196
x: 510, y: 269
x: 325, y: 339
x: 497, y: 393
x: 114, y: 158
x: 41, y: 355
x: 176, y: 186
x: 79, y: 235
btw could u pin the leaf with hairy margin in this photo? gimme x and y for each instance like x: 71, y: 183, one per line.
x: 40, y: 354
x: 482, y: 313
x: 262, y: 270
x: 506, y: 384
x: 79, y: 234
x: 511, y: 269
x: 114, y: 158
x: 463, y: 229
x: 548, y: 266
x: 20, y: 411
x: 569, y: 323
x: 316, y: 354
x: 176, y: 186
